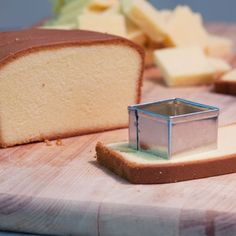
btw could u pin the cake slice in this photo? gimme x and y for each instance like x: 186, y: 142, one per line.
x: 227, y: 84
x: 57, y: 83
x: 144, y: 168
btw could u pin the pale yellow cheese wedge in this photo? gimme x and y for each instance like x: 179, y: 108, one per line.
x: 218, y: 46
x: 230, y: 76
x: 185, y: 28
x: 184, y: 66
x: 220, y: 66
x: 146, y: 16
x: 112, y: 24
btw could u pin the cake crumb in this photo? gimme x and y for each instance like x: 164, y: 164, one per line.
x: 59, y: 142
x: 48, y: 143
x: 43, y: 85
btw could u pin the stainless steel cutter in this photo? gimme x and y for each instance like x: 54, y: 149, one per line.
x: 173, y: 128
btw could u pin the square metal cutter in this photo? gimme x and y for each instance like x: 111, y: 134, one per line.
x: 173, y: 128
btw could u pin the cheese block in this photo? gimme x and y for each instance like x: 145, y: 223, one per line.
x: 185, y: 28
x: 218, y: 46
x: 113, y: 24
x: 57, y: 84
x: 220, y: 66
x: 145, y: 168
x: 146, y: 16
x: 227, y: 84
x: 184, y: 66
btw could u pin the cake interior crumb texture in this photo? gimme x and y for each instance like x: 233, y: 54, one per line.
x: 64, y: 91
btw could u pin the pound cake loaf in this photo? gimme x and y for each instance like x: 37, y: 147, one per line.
x: 56, y: 83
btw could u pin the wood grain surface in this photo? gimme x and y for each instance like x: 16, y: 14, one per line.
x: 61, y: 190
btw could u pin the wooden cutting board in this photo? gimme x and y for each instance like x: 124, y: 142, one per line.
x: 61, y: 189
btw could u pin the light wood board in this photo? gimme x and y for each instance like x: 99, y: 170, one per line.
x: 61, y: 190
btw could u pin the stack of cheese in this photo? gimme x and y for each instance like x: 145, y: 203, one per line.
x: 191, y: 51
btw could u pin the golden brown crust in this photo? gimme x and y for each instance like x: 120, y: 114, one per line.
x: 12, y: 43
x: 225, y: 87
x: 164, y: 173
x: 17, y: 44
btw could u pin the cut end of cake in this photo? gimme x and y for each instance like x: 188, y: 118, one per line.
x: 64, y: 83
